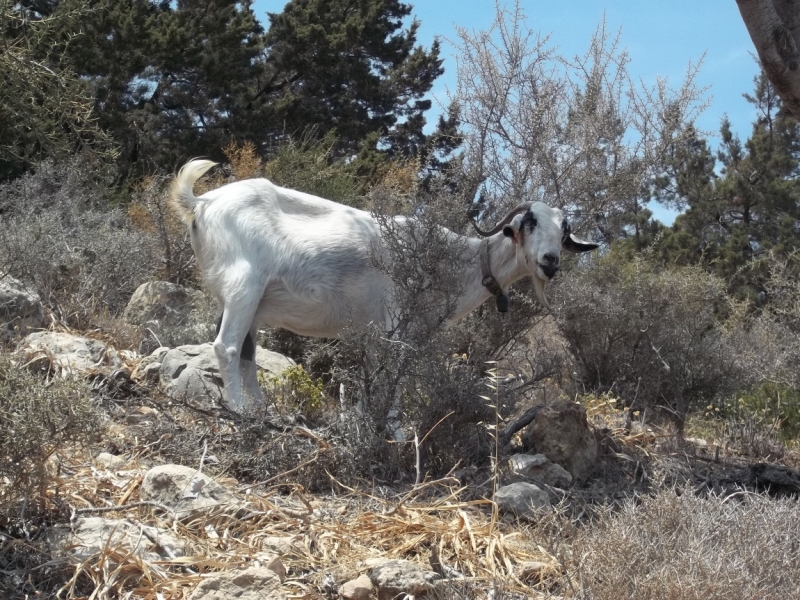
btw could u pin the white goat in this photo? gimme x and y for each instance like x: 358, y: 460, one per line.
x: 278, y: 257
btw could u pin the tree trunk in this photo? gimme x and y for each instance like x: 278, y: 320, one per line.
x: 774, y: 27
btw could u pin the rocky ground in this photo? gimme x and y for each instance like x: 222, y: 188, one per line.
x: 178, y: 498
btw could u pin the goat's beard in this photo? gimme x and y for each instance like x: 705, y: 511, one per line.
x: 539, y: 285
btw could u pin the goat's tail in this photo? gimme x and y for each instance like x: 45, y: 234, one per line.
x: 181, y: 197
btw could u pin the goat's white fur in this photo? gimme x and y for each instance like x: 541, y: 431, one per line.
x: 279, y: 257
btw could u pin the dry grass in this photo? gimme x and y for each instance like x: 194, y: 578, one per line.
x: 682, y: 547
x: 666, y: 545
x: 660, y: 545
x: 670, y: 546
x: 330, y: 537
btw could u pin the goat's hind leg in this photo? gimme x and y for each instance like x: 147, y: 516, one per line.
x: 234, y: 329
x: 249, y: 368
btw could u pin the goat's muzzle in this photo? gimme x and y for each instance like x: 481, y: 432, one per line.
x: 549, y: 265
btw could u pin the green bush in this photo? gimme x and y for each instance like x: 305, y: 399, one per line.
x: 651, y: 334
x: 296, y: 391
x: 308, y: 166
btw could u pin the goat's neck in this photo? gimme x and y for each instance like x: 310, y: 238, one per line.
x: 503, y: 265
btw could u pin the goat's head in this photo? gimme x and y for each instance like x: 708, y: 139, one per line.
x: 539, y: 233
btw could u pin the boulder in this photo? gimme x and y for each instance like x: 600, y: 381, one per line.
x: 192, y: 373
x: 357, y: 589
x: 20, y: 309
x: 185, y: 490
x: 66, y: 353
x: 162, y: 302
x: 561, y: 432
x: 254, y: 583
x: 90, y: 536
x: 272, y: 362
x: 174, y: 314
x: 521, y: 499
x: 538, y: 467
x: 397, y: 578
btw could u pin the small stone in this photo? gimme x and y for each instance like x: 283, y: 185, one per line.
x: 540, y: 468
x: 532, y: 570
x: 93, y: 535
x: 185, y: 490
x: 282, y: 545
x: 254, y: 583
x: 521, y: 499
x: 700, y: 443
x: 108, y: 461
x: 393, y: 578
x: 357, y: 589
x: 271, y: 562
x: 152, y: 372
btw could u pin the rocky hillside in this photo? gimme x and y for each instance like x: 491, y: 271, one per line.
x: 123, y: 476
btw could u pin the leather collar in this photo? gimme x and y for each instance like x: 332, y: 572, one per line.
x: 488, y: 280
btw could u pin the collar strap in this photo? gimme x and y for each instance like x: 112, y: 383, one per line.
x: 488, y: 280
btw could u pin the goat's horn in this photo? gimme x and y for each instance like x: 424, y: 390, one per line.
x: 499, y: 227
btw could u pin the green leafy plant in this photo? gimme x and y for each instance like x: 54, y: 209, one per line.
x: 773, y: 403
x: 296, y: 390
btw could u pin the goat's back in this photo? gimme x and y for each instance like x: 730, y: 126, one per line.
x: 312, y: 257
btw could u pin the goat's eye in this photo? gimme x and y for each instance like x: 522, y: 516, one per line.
x: 529, y: 220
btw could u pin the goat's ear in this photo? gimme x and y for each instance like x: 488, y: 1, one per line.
x: 573, y: 244
x: 512, y: 229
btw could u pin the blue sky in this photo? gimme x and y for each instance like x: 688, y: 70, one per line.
x: 662, y: 37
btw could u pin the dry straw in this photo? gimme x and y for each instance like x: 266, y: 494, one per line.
x: 337, y: 537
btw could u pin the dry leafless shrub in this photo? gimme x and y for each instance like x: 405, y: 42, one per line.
x: 38, y: 418
x: 575, y: 132
x: 681, y: 546
x: 777, y: 328
x: 58, y: 235
x: 150, y: 215
x: 649, y: 333
x: 425, y: 376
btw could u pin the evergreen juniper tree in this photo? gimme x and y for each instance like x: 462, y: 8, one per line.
x: 747, y: 208
x: 172, y: 80
x: 349, y: 66
x: 45, y: 107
